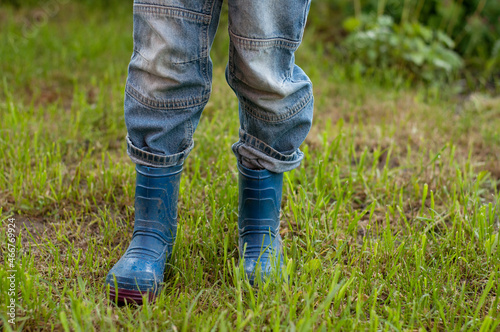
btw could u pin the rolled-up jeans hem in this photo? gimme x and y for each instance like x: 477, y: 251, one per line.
x: 146, y: 158
x: 252, y: 152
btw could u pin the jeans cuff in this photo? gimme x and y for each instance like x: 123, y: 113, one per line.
x: 146, y: 158
x: 254, y: 153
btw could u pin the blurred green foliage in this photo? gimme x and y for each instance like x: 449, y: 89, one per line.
x: 411, y: 47
x: 473, y: 25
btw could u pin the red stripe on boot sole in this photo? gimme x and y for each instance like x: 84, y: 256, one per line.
x: 126, y: 296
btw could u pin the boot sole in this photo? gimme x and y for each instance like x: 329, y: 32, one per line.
x: 127, y: 296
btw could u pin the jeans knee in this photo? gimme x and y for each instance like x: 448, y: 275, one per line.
x: 170, y: 65
x: 263, y: 74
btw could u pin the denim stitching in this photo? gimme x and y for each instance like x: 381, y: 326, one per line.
x: 190, y: 133
x: 254, y: 43
x: 208, y: 8
x: 171, y: 11
x: 231, y: 59
x: 254, y: 142
x: 247, y: 106
x: 155, y: 159
x: 163, y: 104
x: 204, y: 40
x: 304, y: 20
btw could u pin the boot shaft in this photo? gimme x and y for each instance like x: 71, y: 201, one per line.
x: 156, y: 196
x: 260, y: 194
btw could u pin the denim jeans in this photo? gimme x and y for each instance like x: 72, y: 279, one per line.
x: 170, y: 74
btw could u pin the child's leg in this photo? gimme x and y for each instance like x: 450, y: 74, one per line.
x: 276, y: 108
x: 275, y: 95
x: 169, y: 78
x: 168, y: 85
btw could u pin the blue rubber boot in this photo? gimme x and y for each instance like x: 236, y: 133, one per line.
x: 259, y: 222
x: 140, y: 270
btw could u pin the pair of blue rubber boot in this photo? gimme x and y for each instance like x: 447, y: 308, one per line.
x: 140, y: 270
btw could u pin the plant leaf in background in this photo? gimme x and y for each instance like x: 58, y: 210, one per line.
x: 419, y: 51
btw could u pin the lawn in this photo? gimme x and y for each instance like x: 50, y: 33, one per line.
x: 391, y: 223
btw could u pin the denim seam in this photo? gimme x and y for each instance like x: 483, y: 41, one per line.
x: 255, y: 143
x: 208, y: 8
x: 155, y: 159
x: 257, y: 43
x: 172, y: 12
x: 173, y: 104
x: 203, y: 54
x: 245, y: 103
x: 204, y: 40
x: 304, y: 20
x: 231, y: 59
x: 136, y: 51
x: 190, y: 133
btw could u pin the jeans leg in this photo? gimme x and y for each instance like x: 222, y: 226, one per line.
x: 275, y: 95
x: 169, y: 78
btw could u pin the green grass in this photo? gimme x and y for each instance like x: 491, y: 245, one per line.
x: 391, y: 223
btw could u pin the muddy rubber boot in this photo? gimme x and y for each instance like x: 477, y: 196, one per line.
x: 259, y: 222
x: 140, y: 270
